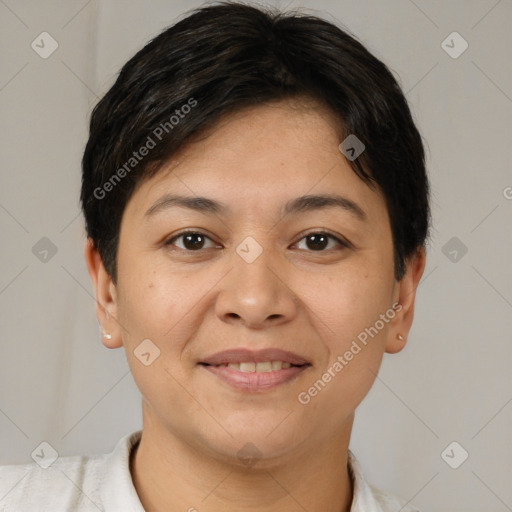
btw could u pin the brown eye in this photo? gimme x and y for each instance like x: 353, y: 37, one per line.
x: 190, y: 241
x: 317, y: 242
x: 320, y: 241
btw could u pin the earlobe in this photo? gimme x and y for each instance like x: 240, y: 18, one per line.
x: 106, y: 297
x: 406, y: 294
x: 396, y: 345
x: 106, y: 338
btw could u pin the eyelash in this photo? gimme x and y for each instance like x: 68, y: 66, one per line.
x: 344, y: 244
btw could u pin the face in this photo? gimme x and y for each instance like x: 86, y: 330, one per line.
x: 256, y: 272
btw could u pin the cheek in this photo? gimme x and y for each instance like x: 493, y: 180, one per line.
x: 348, y: 323
x: 151, y: 298
x: 347, y: 310
x: 165, y: 307
x: 346, y: 302
x: 152, y: 306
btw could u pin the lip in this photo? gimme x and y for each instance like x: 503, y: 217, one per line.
x: 256, y: 356
x: 254, y: 381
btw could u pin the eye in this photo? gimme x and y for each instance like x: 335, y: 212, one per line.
x: 191, y: 241
x: 319, y: 241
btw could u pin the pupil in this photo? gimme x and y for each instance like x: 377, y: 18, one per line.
x: 192, y: 242
x: 317, y: 241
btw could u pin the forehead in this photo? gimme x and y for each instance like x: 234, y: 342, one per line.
x: 260, y: 158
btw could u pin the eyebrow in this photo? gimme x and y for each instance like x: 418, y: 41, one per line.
x: 318, y: 202
x: 199, y: 204
x: 300, y: 204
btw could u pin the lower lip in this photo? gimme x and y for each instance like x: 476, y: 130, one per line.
x: 255, y: 381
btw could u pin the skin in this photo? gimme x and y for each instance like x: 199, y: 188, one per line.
x: 194, y: 303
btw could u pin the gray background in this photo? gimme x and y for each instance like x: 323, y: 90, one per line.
x: 452, y: 382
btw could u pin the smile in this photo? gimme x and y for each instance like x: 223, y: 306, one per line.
x: 253, y: 380
x: 249, y: 367
x: 255, y: 370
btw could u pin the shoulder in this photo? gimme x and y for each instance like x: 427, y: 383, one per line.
x: 390, y: 502
x: 368, y: 498
x: 70, y: 483
x: 77, y: 483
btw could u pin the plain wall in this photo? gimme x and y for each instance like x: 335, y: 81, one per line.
x: 452, y: 382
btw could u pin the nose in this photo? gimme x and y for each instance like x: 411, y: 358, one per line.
x: 256, y: 294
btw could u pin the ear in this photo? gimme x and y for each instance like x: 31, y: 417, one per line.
x: 404, y: 296
x: 106, y: 296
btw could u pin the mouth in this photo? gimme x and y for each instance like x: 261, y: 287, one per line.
x: 255, y: 371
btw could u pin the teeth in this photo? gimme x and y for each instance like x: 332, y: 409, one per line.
x: 264, y: 367
x: 249, y: 367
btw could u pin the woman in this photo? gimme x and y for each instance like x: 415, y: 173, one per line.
x: 256, y: 207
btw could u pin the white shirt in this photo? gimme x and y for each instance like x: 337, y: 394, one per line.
x: 103, y: 483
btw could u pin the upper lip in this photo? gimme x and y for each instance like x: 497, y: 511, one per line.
x: 256, y: 356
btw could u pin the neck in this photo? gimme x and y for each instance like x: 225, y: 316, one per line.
x: 169, y: 474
